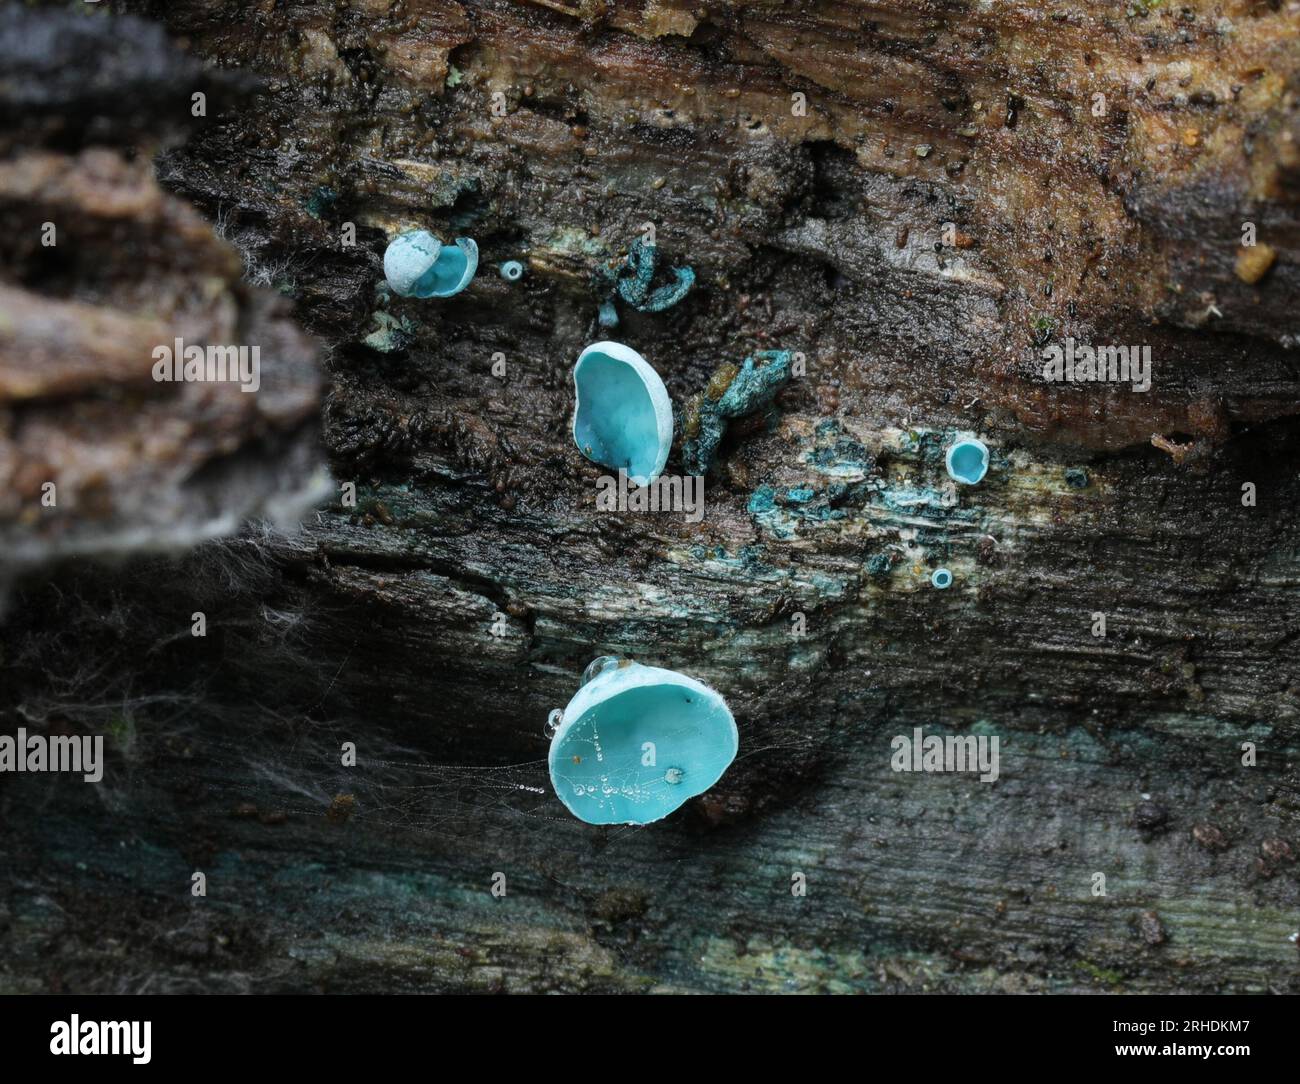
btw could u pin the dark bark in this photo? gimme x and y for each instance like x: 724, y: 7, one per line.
x: 821, y: 234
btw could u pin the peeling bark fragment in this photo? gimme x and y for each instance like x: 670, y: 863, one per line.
x: 97, y: 455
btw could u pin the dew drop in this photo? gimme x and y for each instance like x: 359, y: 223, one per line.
x: 598, y: 666
x: 553, y: 722
x: 673, y: 775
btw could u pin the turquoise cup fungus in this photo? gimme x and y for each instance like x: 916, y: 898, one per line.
x: 511, y: 270
x: 636, y: 742
x: 417, y: 264
x: 968, y: 461
x: 941, y: 578
x: 622, y: 416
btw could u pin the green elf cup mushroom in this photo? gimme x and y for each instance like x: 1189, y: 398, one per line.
x: 417, y: 264
x: 622, y: 416
x: 636, y: 742
x: 968, y: 461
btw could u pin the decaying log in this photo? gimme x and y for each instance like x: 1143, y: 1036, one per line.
x: 96, y: 455
x: 919, y: 199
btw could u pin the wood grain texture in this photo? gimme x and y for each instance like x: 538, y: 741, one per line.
x: 821, y: 234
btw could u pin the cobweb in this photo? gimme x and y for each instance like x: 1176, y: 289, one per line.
x: 261, y: 735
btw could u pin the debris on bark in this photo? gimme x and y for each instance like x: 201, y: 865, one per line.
x: 1124, y: 626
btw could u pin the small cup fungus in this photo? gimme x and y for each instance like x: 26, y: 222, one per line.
x: 968, y: 461
x: 417, y: 264
x: 622, y: 416
x: 636, y: 742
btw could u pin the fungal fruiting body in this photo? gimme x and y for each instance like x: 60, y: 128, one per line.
x: 941, y: 578
x: 636, y: 274
x: 417, y: 264
x: 631, y: 280
x: 968, y: 461
x: 636, y: 742
x: 731, y: 393
x: 512, y: 270
x: 622, y: 416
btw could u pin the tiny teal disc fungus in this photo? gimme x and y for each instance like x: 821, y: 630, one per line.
x: 607, y: 314
x: 512, y: 270
x: 968, y: 461
x: 636, y: 742
x: 417, y: 264
x: 941, y: 578
x: 622, y: 416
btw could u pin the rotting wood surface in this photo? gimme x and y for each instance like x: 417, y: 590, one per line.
x: 822, y: 233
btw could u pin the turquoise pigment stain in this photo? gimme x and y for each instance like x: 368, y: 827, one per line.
x: 417, y: 264
x: 773, y: 518
x: 762, y: 500
x: 837, y: 455
x: 320, y: 201
x: 622, y: 416
x: 636, y: 742
x: 879, y: 564
x: 968, y: 461
x: 941, y: 578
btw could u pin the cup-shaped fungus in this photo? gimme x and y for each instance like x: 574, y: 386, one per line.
x: 968, y: 461
x: 622, y: 416
x: 417, y: 264
x: 635, y: 742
